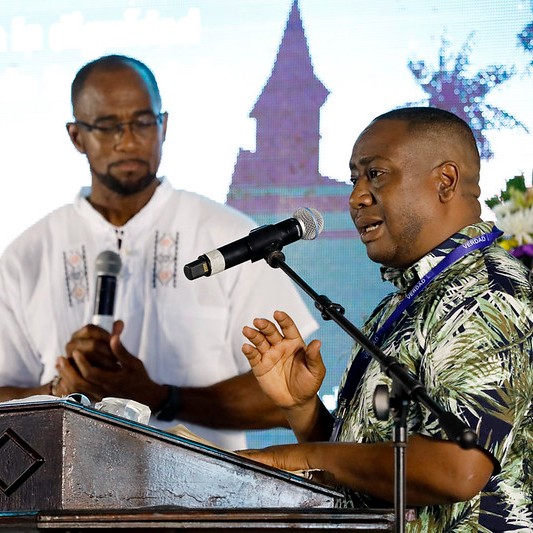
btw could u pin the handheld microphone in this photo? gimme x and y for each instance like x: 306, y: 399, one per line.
x: 108, y: 265
x: 306, y: 223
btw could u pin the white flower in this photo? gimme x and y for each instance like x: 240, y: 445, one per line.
x: 504, y: 209
x: 518, y: 225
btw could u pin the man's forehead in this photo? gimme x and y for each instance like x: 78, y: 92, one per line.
x: 115, y: 90
x: 383, y: 128
x: 379, y: 137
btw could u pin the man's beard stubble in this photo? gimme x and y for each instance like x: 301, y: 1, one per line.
x: 128, y: 188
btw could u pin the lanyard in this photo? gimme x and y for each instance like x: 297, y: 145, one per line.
x: 361, y: 362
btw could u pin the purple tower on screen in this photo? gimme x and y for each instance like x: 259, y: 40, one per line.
x: 282, y: 174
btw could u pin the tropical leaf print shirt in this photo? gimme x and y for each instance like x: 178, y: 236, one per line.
x: 468, y: 338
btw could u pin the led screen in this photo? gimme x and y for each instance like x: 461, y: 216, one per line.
x: 265, y: 100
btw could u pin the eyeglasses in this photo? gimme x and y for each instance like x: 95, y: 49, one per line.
x: 141, y: 126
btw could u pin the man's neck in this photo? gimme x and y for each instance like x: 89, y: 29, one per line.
x: 117, y: 209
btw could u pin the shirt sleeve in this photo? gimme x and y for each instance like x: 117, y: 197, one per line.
x: 19, y: 364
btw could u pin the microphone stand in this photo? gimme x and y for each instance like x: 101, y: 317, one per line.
x: 405, y: 388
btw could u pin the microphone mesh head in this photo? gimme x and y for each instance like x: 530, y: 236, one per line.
x: 311, y: 221
x: 108, y: 263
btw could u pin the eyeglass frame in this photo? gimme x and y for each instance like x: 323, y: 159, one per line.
x: 119, y: 127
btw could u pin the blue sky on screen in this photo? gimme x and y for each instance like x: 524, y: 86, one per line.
x: 212, y: 59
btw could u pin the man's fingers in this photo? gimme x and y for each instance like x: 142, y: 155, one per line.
x: 262, y: 337
x: 251, y: 353
x: 83, y: 365
x: 269, y: 330
x: 313, y: 351
x: 118, y: 327
x: 72, y: 379
x: 287, y: 325
x: 94, y: 348
x: 313, y: 358
x: 91, y: 331
x: 119, y: 351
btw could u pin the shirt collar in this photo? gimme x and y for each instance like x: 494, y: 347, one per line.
x: 403, y: 279
x: 143, y: 217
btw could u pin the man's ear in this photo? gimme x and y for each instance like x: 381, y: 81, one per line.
x: 165, y: 119
x: 73, y: 131
x: 448, y: 180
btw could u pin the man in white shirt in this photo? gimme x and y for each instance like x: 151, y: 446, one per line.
x: 177, y: 345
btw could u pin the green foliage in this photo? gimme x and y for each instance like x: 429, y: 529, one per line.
x: 515, y: 189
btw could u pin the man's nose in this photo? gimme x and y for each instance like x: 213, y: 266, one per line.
x: 361, y: 195
x: 125, y: 137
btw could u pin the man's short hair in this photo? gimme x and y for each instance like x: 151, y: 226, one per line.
x: 434, y: 119
x: 111, y: 63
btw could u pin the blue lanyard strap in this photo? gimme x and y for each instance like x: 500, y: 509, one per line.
x: 475, y: 243
x: 361, y: 362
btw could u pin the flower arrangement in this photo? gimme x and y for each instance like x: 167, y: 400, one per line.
x: 514, y: 216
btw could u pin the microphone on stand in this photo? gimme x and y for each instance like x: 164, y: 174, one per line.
x: 108, y: 265
x: 306, y: 223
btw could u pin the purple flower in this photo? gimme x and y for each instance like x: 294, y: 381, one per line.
x: 525, y: 250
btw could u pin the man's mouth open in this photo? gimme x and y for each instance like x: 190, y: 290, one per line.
x: 370, y: 231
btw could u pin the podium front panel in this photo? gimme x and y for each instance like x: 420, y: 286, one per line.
x: 61, y: 456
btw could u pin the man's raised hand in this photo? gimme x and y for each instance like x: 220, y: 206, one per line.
x: 289, y: 372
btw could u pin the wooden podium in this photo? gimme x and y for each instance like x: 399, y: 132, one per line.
x: 68, y: 467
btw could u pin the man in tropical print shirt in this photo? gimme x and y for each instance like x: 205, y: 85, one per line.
x: 461, y: 321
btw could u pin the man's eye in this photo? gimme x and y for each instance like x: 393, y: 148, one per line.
x: 144, y: 122
x: 354, y: 181
x: 374, y: 174
x: 107, y: 126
